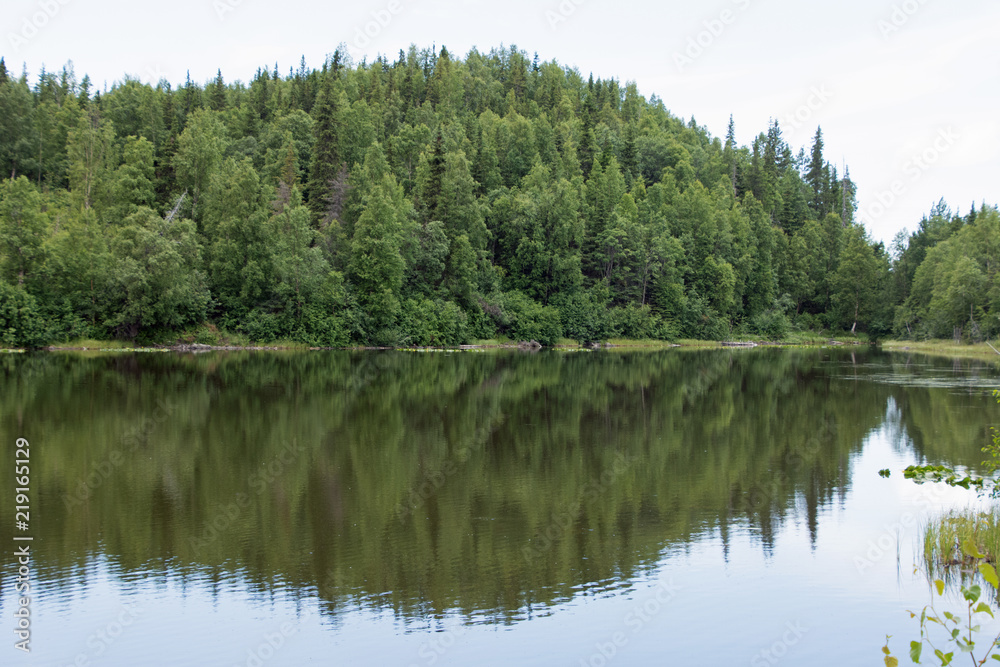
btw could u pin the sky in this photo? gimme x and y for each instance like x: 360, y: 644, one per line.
x: 905, y: 91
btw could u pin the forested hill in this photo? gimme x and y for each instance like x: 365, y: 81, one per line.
x: 438, y: 200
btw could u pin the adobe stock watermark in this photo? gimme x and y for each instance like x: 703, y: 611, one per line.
x: 153, y: 75
x: 224, y: 7
x: 899, y: 17
x: 380, y: 20
x: 772, y: 655
x: 434, y: 648
x: 914, y: 168
x: 888, y: 542
x: 33, y: 24
x: 101, y: 640
x: 563, y: 520
x: 563, y: 11
x: 817, y: 98
x: 713, y: 29
x: 368, y: 372
x: 272, y: 642
x: 429, y: 484
x: 225, y: 516
x: 635, y: 621
x: 760, y: 497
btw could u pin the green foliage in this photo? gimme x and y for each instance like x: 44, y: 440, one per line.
x: 965, y: 535
x: 635, y: 322
x: 155, y: 280
x: 23, y: 231
x: 957, y: 285
x: 21, y: 324
x: 585, y: 316
x: 858, y: 281
x: 930, y: 473
x: 434, y: 323
x: 581, y: 196
x: 522, y: 319
x: 240, y: 255
x: 132, y: 185
x: 377, y: 265
x: 958, y: 630
x: 773, y: 323
x: 199, y: 154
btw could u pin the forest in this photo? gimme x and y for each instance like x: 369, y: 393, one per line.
x: 436, y: 200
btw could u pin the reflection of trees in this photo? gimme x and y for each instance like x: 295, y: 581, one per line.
x: 484, y: 482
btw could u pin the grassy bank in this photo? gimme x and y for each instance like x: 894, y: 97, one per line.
x: 943, y: 348
x: 225, y: 341
x: 209, y: 336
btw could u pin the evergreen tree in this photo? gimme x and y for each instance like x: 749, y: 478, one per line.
x: 816, y: 176
x: 217, y: 96
x: 326, y: 158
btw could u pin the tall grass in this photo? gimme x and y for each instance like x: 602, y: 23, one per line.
x: 943, y: 539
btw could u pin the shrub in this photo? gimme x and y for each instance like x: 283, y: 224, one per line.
x: 584, y: 317
x: 520, y: 318
x: 21, y: 323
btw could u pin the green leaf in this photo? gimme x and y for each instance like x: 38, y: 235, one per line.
x: 969, y: 548
x: 972, y: 593
x: 891, y: 661
x: 989, y: 574
x: 940, y: 586
x: 915, y: 650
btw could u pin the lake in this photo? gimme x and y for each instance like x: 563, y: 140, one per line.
x: 713, y: 507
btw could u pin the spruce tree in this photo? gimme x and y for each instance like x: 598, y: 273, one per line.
x: 816, y: 176
x: 326, y: 158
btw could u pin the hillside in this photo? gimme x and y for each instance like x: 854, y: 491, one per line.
x: 434, y: 200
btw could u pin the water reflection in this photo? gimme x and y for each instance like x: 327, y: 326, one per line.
x: 491, y: 486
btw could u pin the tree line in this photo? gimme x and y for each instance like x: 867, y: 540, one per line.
x: 435, y: 200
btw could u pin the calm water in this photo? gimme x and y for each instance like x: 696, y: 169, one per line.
x: 392, y: 508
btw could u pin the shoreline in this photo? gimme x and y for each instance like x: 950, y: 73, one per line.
x: 616, y: 344
x: 942, y: 348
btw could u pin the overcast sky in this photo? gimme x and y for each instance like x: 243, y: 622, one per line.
x: 906, y: 91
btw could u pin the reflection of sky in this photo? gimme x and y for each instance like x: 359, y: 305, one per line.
x: 831, y: 603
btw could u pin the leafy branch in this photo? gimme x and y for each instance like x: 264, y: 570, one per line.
x: 960, y: 629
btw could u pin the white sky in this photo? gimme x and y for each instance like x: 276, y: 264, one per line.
x: 906, y: 91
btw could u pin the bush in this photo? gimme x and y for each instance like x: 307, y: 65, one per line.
x: 771, y: 324
x: 635, y: 322
x: 520, y: 318
x: 21, y: 323
x: 438, y: 323
x: 700, y: 321
x: 808, y: 322
x: 481, y: 326
x: 260, y: 326
x: 585, y: 318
